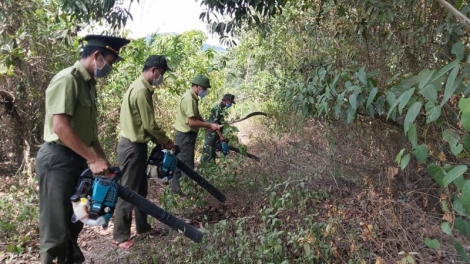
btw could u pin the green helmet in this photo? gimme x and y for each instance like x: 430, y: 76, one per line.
x: 201, y: 80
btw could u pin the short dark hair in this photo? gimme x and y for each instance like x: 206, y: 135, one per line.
x: 89, y: 50
x: 146, y: 68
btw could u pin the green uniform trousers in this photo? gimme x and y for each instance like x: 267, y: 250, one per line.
x: 132, y: 159
x: 58, y: 169
x: 187, y: 144
x: 209, y: 150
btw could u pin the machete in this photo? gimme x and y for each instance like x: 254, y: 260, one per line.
x: 248, y: 116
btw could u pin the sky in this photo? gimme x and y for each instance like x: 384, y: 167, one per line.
x: 151, y: 16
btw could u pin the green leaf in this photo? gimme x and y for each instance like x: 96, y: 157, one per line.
x: 464, y: 105
x: 372, y: 74
x: 399, y: 155
x: 461, y: 250
x: 410, y: 260
x: 350, y: 115
x: 452, y: 137
x: 425, y: 76
x: 454, y: 174
x: 356, y: 89
x: 459, y: 182
x: 445, y: 208
x: 444, y: 70
x: 371, y: 111
x: 457, y: 206
x: 308, y: 252
x: 433, y: 114
x: 448, y: 167
x: 404, y: 161
x: 380, y: 104
x: 446, y: 228
x: 421, y: 153
x: 372, y: 95
x: 432, y: 243
x: 450, y: 87
x: 463, y: 226
x: 436, y: 172
x: 353, y: 101
x: 465, y: 120
x: 404, y: 98
x: 413, y: 135
x: 456, y: 149
x: 341, y: 11
x: 340, y: 99
x: 411, y: 115
x: 429, y: 92
x: 457, y: 50
x: 11, y: 248
x: 413, y: 99
x: 466, y: 141
x: 362, y: 75
x: 465, y: 196
x: 391, y: 98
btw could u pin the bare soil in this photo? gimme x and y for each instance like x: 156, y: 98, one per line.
x: 393, y: 211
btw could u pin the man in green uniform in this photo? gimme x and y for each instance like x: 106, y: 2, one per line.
x: 70, y: 132
x: 217, y: 117
x: 187, y: 124
x: 138, y: 127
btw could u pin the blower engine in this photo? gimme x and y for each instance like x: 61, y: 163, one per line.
x: 161, y: 164
x: 95, y: 198
x: 223, y: 147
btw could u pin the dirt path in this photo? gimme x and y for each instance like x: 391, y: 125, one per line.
x: 96, y: 242
x: 385, y: 223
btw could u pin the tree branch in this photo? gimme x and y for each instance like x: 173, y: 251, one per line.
x: 462, y: 19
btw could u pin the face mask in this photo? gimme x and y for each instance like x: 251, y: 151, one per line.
x: 103, y: 71
x: 157, y: 81
x: 202, y: 93
x: 228, y: 105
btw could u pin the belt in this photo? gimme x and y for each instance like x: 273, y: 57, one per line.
x: 67, y: 149
x: 137, y: 143
x: 189, y: 132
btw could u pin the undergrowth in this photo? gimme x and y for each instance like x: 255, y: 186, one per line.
x: 19, y: 213
x: 301, y: 203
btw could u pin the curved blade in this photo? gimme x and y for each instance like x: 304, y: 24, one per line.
x: 248, y: 116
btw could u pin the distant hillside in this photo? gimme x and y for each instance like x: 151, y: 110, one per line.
x: 205, y: 46
x: 216, y: 48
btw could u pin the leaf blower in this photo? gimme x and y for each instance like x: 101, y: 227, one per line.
x: 225, y: 148
x: 162, y: 164
x: 95, y: 200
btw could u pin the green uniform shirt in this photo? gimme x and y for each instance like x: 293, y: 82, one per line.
x: 137, y: 119
x: 187, y: 107
x: 217, y: 115
x: 73, y: 92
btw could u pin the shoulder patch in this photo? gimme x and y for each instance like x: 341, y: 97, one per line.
x: 76, y: 73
